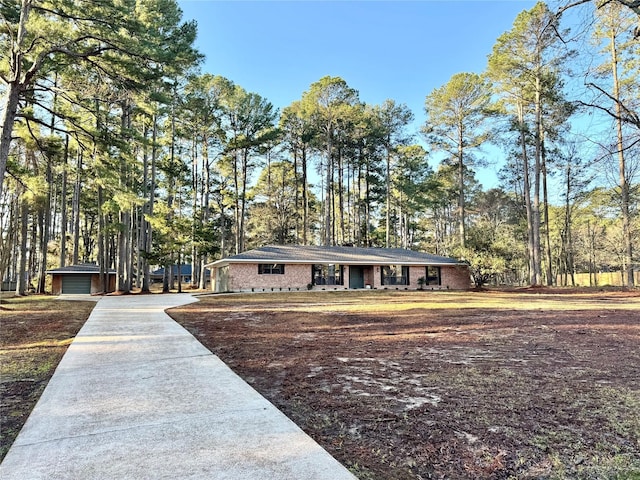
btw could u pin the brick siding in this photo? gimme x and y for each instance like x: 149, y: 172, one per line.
x: 456, y: 277
x: 244, y: 277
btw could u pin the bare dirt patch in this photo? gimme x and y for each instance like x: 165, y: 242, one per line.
x: 35, y: 332
x: 404, y: 385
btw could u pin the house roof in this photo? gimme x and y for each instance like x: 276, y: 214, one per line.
x: 82, y: 268
x: 337, y: 255
x: 185, y: 269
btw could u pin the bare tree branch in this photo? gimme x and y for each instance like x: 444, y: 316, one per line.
x: 70, y: 119
x: 68, y: 16
x: 628, y: 115
x: 632, y: 4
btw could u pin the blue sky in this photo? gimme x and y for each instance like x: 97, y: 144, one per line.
x: 384, y: 49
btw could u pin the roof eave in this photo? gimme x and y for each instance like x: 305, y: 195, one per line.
x: 79, y: 272
x: 227, y: 261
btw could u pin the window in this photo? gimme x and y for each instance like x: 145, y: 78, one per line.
x: 395, y: 275
x: 271, y: 269
x: 433, y: 275
x: 327, y: 275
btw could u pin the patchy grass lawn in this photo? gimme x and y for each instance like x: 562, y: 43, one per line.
x: 418, y: 385
x: 35, y: 332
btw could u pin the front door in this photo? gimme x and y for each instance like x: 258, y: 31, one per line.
x: 356, y: 277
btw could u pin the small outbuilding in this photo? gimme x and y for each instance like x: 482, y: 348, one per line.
x: 295, y: 267
x: 80, y: 279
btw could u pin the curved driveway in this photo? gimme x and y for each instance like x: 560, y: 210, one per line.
x: 138, y: 397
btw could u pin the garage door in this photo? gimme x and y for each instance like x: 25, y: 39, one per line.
x: 76, y: 284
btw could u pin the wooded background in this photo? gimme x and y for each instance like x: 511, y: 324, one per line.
x: 117, y: 149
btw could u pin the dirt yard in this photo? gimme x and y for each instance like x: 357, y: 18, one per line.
x: 423, y: 385
x: 35, y: 332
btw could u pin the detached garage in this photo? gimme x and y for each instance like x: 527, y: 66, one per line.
x: 80, y: 279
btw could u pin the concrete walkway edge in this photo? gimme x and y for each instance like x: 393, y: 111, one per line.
x: 136, y: 396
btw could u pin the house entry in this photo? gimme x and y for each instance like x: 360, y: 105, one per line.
x: 356, y: 277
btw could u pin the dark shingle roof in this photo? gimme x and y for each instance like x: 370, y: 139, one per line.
x: 338, y: 255
x: 185, y: 269
x: 80, y: 268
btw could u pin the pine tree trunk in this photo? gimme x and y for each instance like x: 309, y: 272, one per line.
x: 222, y: 227
x: 7, y: 119
x: 624, y: 185
x: 63, y: 205
x: 537, y: 250
x: 387, y: 239
x: 197, y: 213
x: 568, y: 248
x: 143, y: 261
x: 296, y: 194
x: 243, y: 200
x: 236, y: 187
x: 9, y: 243
x: 139, y: 257
x: 165, y: 278
x: 75, y: 209
x: 593, y: 280
x: 339, y: 182
x: 547, y: 233
x: 131, y: 251
x: 179, y: 262
x: 526, y: 190
x: 206, y: 209
x: 305, y: 198
x: 367, y: 204
x: 45, y: 230
x: 357, y: 211
x: 461, y: 200
x: 21, y: 274
x: 122, y: 258
x: 148, y: 229
x: 123, y: 232
x: 570, y: 261
x: 351, y: 214
x: 328, y: 199
x: 102, y: 244
x: 14, y: 87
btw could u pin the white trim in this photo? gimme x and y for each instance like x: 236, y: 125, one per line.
x: 342, y: 256
x: 228, y: 261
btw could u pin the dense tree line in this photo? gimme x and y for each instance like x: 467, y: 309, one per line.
x: 116, y: 149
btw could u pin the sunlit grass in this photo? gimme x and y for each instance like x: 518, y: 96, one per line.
x: 27, y: 364
x: 383, y: 301
x: 41, y: 344
x: 538, y: 383
x: 30, y: 303
x: 35, y: 331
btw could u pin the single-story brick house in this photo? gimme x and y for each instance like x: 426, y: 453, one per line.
x: 80, y: 279
x: 295, y: 267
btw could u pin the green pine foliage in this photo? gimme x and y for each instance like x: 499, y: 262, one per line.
x: 117, y: 149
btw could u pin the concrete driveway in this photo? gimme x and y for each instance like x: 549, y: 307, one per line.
x: 138, y: 397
